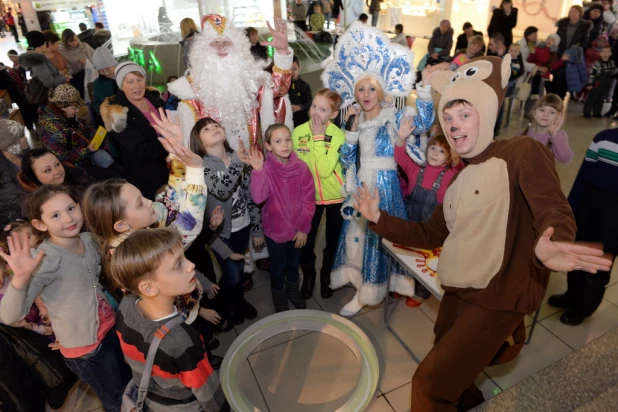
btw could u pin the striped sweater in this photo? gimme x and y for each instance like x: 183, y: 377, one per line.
x: 600, y: 167
x: 182, y: 379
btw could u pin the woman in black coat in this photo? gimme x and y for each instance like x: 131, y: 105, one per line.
x: 580, y: 33
x: 503, y: 20
x: 126, y: 116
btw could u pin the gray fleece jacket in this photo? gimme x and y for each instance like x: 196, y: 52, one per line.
x: 40, y: 66
x: 222, y: 182
x: 74, y: 55
x: 69, y: 286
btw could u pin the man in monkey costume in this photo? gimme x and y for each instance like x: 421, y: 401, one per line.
x: 504, y: 225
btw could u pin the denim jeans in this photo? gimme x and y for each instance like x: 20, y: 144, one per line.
x: 284, y: 262
x: 327, y: 17
x: 104, y: 370
x: 232, y: 275
x: 375, y: 15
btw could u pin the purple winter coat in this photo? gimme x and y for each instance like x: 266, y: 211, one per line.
x: 287, y: 193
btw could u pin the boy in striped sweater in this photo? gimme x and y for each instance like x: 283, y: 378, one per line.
x: 152, y: 265
x: 594, y: 200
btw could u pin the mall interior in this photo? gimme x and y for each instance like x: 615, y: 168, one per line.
x: 298, y: 368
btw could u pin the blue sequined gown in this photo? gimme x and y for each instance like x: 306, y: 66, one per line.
x: 360, y: 258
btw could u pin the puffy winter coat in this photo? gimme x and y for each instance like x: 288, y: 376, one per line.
x: 441, y: 41
x: 576, y: 74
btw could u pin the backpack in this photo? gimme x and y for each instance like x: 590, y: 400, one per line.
x: 36, y: 92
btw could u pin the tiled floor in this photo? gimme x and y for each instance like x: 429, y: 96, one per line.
x: 301, y: 371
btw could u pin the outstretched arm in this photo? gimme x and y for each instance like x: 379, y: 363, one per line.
x: 426, y: 235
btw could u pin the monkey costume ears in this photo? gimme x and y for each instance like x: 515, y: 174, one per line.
x: 482, y: 82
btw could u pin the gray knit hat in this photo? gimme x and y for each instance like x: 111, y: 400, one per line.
x: 102, y: 59
x: 127, y: 67
x: 10, y: 133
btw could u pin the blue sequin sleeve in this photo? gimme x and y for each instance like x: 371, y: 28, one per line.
x: 425, y: 116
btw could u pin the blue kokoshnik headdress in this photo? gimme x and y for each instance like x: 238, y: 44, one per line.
x: 365, y: 51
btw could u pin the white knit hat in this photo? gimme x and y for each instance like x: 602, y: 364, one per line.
x: 125, y: 68
x: 102, y: 59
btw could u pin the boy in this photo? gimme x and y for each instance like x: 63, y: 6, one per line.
x: 151, y: 264
x: 363, y: 18
x: 317, y: 143
x: 594, y: 200
x: 517, y: 68
x: 258, y: 51
x: 317, y: 19
x: 599, y: 82
x: 400, y: 37
x: 504, y: 224
x: 300, y: 95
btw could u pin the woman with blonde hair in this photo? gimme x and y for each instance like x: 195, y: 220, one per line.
x: 188, y: 29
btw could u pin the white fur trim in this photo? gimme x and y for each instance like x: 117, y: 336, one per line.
x: 181, y: 88
x: 423, y: 92
x: 289, y: 118
x: 194, y: 176
x: 284, y: 61
x: 187, y: 121
x: 267, y: 109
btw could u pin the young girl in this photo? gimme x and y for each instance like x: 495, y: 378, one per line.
x: 227, y: 175
x: 284, y: 185
x: 426, y: 185
x: 114, y: 209
x: 317, y: 143
x: 548, y: 118
x: 37, y: 319
x: 65, y: 272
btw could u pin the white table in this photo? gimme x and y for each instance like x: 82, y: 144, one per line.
x: 414, y: 263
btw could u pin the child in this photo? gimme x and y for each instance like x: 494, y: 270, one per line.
x: 426, y: 185
x: 475, y: 46
x: 227, y: 175
x: 37, y: 319
x: 599, y: 81
x: 284, y: 186
x: 171, y: 101
x: 545, y: 56
x: 152, y: 265
x: 593, y: 53
x: 300, y: 95
x: 316, y: 20
x: 517, y: 68
x: 548, y: 119
x: 258, y: 51
x: 317, y: 143
x: 400, y: 36
x: 594, y: 201
x: 65, y: 272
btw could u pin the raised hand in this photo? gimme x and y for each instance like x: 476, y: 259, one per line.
x: 279, y: 35
x: 317, y: 128
x: 554, y: 128
x: 20, y: 260
x: 565, y: 257
x: 406, y: 127
x: 167, y: 128
x: 300, y: 238
x: 428, y: 71
x: 367, y: 203
x: 184, y: 154
x: 216, y: 218
x: 242, y: 153
x: 256, y: 159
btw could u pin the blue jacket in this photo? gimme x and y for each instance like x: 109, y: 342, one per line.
x: 576, y: 75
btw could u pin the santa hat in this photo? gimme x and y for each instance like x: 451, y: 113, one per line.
x: 214, y: 25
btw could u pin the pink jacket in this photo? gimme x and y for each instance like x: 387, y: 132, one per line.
x: 287, y: 192
x: 558, y: 144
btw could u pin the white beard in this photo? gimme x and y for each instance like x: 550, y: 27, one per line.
x: 228, y: 84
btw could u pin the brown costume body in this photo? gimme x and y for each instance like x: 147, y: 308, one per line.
x: 493, y: 214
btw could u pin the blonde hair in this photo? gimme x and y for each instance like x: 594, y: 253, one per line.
x: 476, y: 39
x: 515, y: 45
x: 187, y: 25
x: 374, y: 83
x: 141, y: 254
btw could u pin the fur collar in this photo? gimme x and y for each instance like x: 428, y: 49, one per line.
x: 181, y: 88
x: 386, y: 115
x: 114, y: 109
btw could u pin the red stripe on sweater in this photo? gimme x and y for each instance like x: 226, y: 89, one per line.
x: 195, y: 378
